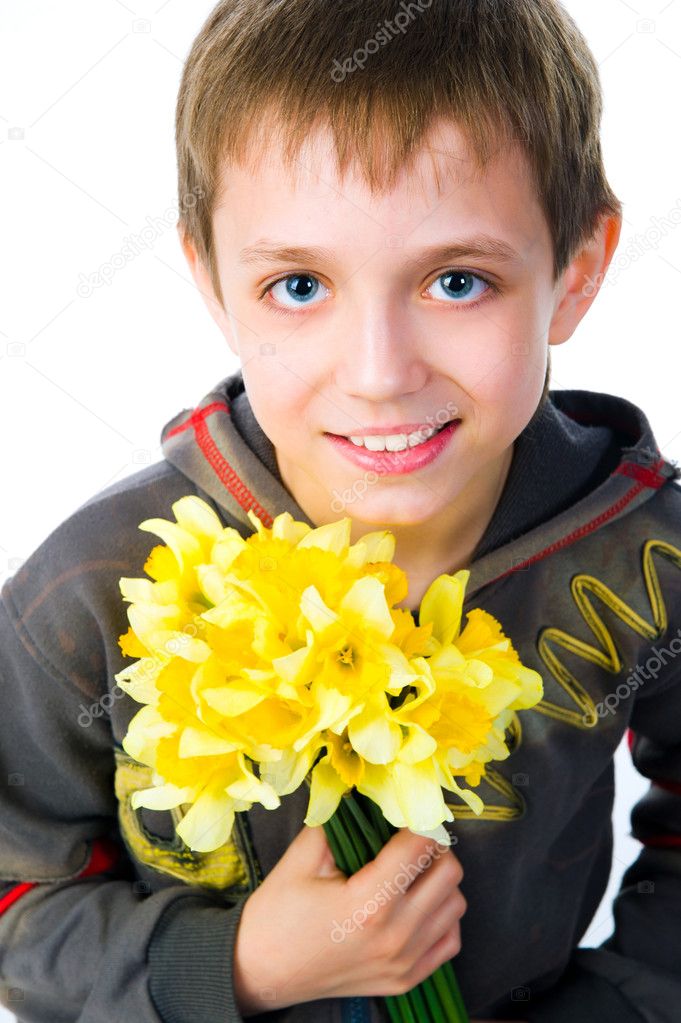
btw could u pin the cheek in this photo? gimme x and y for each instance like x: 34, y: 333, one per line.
x: 278, y: 407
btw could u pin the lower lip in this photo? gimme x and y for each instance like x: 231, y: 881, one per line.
x: 395, y: 463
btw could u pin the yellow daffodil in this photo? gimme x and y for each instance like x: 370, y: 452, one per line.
x: 279, y: 657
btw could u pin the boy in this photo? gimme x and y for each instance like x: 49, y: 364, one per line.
x: 440, y: 256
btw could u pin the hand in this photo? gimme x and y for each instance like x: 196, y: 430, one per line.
x: 309, y: 932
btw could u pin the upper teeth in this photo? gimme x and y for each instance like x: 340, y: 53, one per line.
x: 395, y: 441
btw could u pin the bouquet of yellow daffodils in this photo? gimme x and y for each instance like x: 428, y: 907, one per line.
x: 278, y: 659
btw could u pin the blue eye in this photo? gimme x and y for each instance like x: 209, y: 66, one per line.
x: 299, y: 287
x: 461, y: 284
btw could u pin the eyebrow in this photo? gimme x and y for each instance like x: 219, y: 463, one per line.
x: 480, y: 246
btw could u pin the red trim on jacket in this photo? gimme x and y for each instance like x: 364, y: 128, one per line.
x: 645, y: 477
x: 662, y: 841
x: 103, y: 855
x: 223, y: 470
x: 670, y: 786
x: 650, y: 477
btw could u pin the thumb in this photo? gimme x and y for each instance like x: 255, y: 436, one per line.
x: 309, y: 854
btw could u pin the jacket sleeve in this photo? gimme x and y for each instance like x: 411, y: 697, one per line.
x: 635, y: 975
x: 80, y: 940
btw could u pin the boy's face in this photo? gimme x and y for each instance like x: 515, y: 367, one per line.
x: 374, y: 331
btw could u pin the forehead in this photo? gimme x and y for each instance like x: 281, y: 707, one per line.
x: 442, y: 181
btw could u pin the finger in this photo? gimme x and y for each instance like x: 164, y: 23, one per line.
x: 399, y: 863
x: 427, y: 928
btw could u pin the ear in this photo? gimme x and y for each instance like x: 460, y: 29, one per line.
x: 205, y: 287
x: 582, y: 279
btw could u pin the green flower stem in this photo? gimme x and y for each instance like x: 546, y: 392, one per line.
x: 348, y: 861
x: 357, y: 832
x: 416, y: 1001
x: 341, y: 847
x: 364, y: 826
x: 368, y: 824
x: 337, y: 851
x: 441, y: 990
x: 449, y: 977
x: 427, y: 987
x: 450, y: 995
x: 398, y: 1010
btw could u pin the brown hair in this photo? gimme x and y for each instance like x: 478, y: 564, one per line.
x: 377, y: 74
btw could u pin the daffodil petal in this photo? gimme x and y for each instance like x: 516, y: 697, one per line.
x: 326, y: 792
x: 138, y: 680
x: 137, y: 589
x: 295, y: 667
x: 252, y: 790
x: 371, y: 548
x: 161, y: 797
x: 331, y: 705
x: 418, y: 745
x: 419, y: 795
x: 314, y: 609
x: 212, y: 583
x: 374, y: 736
x: 378, y: 784
x: 332, y: 536
x: 197, y: 517
x: 184, y: 546
x: 286, y: 774
x: 202, y: 742
x: 439, y: 834
x: 442, y: 604
x: 145, y: 729
x: 286, y: 528
x: 233, y: 699
x: 208, y: 823
x: 366, y: 600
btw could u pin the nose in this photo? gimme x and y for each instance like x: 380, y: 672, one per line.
x: 381, y: 359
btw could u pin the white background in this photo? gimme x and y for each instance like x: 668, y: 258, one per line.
x: 87, y: 97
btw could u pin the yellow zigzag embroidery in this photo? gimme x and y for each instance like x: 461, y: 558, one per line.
x: 222, y: 868
x: 607, y: 656
x: 516, y: 803
x: 610, y: 660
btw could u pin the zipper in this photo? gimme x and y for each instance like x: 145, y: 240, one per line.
x: 356, y: 1010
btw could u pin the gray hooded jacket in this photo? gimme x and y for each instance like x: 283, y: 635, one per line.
x: 105, y: 915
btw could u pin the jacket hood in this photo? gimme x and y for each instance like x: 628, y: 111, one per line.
x: 585, y: 459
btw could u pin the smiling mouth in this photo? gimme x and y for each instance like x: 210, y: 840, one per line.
x: 395, y: 441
